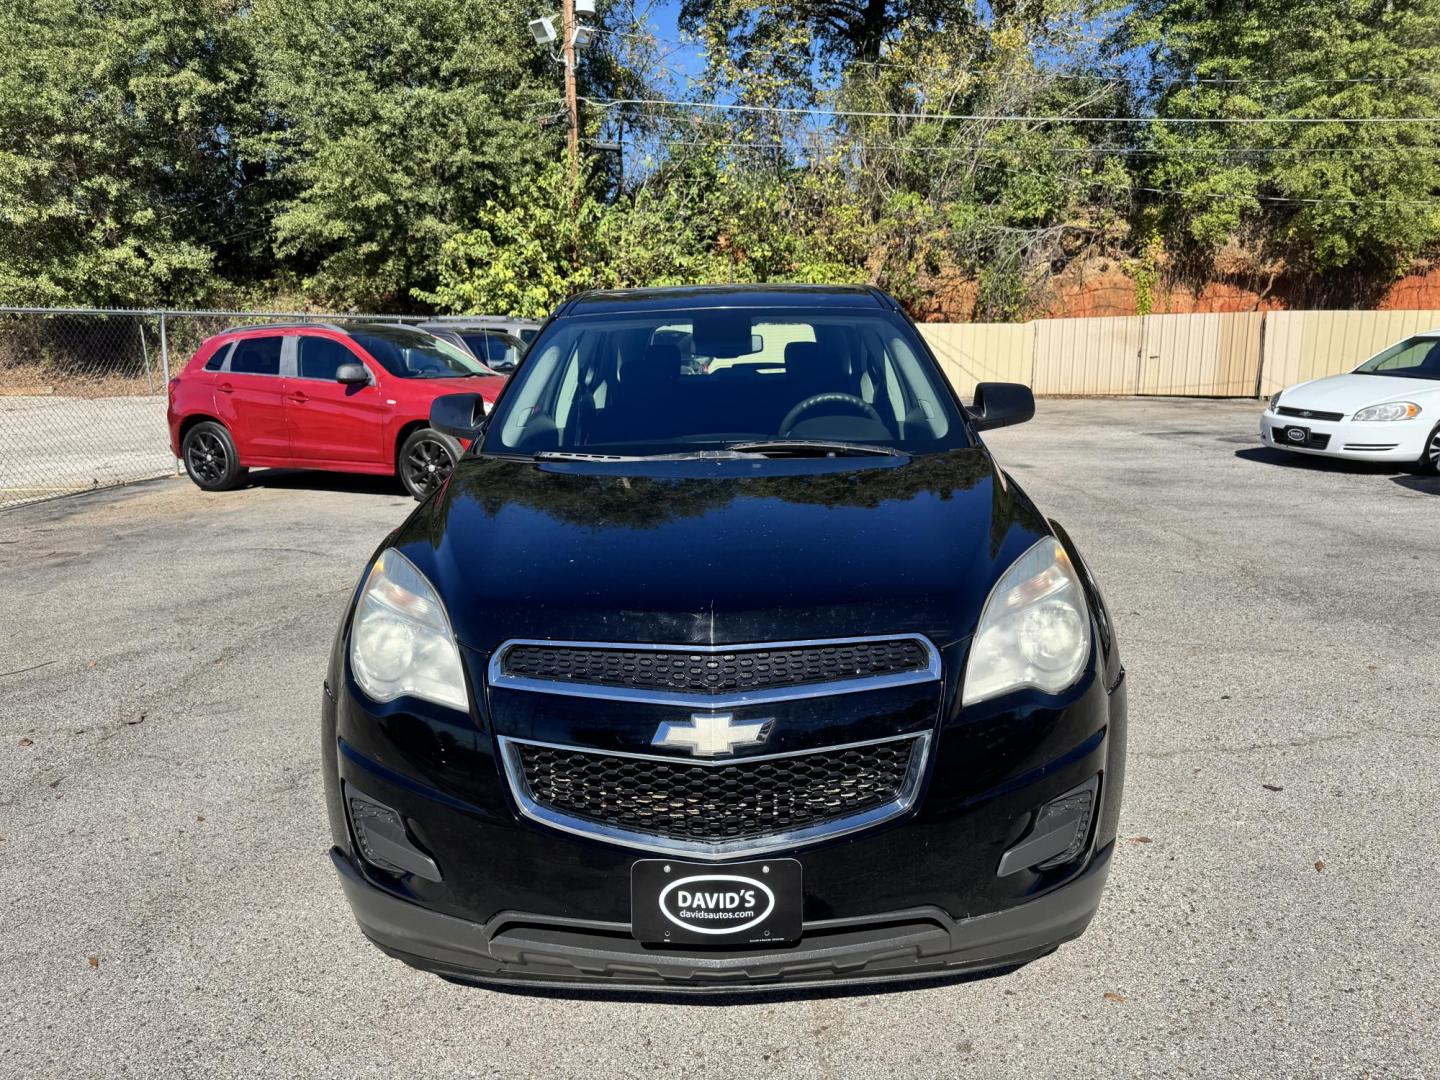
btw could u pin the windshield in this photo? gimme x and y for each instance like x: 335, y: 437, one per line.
x: 680, y: 382
x: 1413, y: 358
x: 414, y: 354
x: 494, y: 346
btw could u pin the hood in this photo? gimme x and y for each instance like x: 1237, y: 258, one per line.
x: 720, y: 552
x: 487, y: 386
x: 1349, y: 393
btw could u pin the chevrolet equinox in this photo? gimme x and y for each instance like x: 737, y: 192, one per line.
x: 727, y: 656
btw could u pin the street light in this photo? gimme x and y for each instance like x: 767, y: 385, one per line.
x: 543, y: 30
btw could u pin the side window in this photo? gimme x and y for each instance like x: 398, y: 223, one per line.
x: 498, y: 350
x: 217, y: 361
x: 320, y: 357
x: 256, y: 356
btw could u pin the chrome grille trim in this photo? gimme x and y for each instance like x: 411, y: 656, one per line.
x: 733, y: 849
x: 500, y: 679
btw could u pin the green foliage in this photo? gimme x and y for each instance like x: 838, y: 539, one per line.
x: 714, y: 225
x: 116, y: 174
x: 403, y: 119
x: 1330, y: 195
x: 397, y: 154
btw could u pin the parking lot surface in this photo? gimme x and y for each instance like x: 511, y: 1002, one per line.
x: 167, y: 909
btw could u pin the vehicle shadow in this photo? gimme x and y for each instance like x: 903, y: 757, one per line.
x: 315, y: 480
x: 1283, y: 458
x: 1425, y: 485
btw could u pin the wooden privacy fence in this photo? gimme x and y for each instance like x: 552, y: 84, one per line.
x: 1245, y: 354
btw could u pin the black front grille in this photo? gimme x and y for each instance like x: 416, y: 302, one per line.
x: 1309, y: 414
x: 744, y: 670
x: 716, y: 803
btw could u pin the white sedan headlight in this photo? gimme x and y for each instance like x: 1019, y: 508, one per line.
x: 400, y: 638
x: 1035, y: 629
x: 1275, y: 400
x: 1394, y: 410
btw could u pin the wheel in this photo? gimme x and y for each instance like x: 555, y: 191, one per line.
x: 210, y: 457
x: 1429, y: 463
x: 425, y: 460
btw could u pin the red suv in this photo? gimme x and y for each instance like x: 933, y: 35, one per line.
x: 351, y: 397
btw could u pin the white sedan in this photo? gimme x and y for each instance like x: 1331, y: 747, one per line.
x: 1387, y: 409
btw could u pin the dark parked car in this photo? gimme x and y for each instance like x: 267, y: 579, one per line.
x: 782, y: 680
x: 343, y: 397
x: 498, y: 343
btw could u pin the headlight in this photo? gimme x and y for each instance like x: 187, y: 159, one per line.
x: 1395, y: 410
x: 400, y: 638
x: 1275, y: 400
x: 1035, y: 630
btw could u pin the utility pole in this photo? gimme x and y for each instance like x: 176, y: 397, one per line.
x: 572, y: 104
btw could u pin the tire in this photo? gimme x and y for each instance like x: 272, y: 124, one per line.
x: 425, y: 460
x: 1429, y: 463
x: 210, y: 457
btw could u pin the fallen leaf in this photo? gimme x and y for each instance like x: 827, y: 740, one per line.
x: 27, y: 742
x: 1273, y: 787
x: 1110, y: 995
x: 1319, y: 865
x: 94, y: 961
x: 199, y: 817
x: 138, y: 720
x: 1141, y: 840
x: 56, y: 782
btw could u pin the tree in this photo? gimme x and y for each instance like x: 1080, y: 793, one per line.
x: 398, y: 121
x: 1317, y: 196
x: 119, y: 182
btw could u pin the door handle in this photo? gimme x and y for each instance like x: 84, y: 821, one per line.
x: 225, y: 388
x: 299, y: 398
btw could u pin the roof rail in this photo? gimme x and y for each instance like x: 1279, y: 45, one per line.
x: 307, y: 324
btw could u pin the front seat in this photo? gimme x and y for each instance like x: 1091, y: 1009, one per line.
x: 645, y: 392
x: 812, y: 369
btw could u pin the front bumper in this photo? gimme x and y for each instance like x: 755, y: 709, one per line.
x: 1392, y: 441
x: 546, y: 951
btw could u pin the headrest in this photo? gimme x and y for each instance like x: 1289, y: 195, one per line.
x: 813, y: 363
x: 659, y: 362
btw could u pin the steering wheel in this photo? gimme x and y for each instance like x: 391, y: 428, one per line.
x: 793, y: 416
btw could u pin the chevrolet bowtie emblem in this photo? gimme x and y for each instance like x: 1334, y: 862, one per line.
x: 711, y: 734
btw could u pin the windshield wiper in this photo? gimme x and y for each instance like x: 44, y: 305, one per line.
x: 687, y: 455
x: 813, y: 448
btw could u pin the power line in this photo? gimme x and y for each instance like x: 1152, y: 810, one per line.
x: 816, y: 111
x: 1151, y: 82
x: 840, y: 142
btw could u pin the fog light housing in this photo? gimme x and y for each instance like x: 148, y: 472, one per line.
x: 383, y: 839
x: 1061, y: 829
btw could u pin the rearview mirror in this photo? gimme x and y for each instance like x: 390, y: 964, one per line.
x: 460, y: 415
x: 1000, y: 404
x: 352, y: 373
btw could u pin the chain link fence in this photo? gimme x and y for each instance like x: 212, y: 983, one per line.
x: 83, y: 393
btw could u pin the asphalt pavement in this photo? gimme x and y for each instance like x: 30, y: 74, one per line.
x: 167, y: 908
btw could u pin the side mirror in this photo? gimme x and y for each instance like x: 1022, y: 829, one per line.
x: 505, y: 367
x: 460, y: 415
x: 352, y: 373
x: 1000, y: 404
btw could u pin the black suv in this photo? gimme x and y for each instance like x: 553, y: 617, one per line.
x: 781, y: 679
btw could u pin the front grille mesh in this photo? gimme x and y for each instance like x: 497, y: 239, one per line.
x: 703, y: 673
x: 713, y: 804
x: 1309, y: 414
